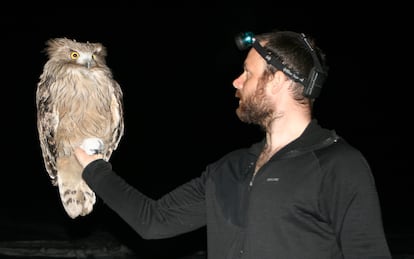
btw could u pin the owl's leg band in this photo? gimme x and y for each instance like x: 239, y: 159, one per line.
x: 93, y: 146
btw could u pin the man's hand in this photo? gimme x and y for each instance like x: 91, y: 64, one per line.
x: 83, y: 158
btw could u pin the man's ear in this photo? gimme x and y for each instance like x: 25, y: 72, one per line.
x: 279, y: 79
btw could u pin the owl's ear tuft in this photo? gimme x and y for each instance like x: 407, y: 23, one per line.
x: 55, y: 45
x: 101, y: 49
x: 56, y: 42
x: 52, y: 45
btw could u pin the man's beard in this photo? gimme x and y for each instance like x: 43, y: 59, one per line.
x: 255, y: 109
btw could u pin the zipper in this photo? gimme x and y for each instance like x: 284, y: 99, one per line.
x: 251, y: 180
x: 253, y: 175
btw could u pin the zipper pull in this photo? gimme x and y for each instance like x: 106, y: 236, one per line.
x: 251, y: 180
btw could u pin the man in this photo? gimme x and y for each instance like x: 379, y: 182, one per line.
x: 301, y: 193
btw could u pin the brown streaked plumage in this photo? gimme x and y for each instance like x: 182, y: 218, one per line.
x: 76, y: 98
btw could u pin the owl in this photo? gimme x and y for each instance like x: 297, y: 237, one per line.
x: 77, y: 98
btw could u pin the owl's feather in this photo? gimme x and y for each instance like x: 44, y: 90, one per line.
x: 76, y: 98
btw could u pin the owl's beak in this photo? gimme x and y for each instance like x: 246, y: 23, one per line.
x: 91, y: 62
x: 88, y: 62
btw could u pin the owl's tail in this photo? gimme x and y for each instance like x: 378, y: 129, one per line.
x: 76, y: 196
x: 77, y: 200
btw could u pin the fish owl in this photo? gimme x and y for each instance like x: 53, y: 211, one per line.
x: 77, y: 98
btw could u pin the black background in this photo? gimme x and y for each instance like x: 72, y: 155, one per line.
x: 176, y: 66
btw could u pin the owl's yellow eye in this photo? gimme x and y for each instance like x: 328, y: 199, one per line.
x: 74, y: 55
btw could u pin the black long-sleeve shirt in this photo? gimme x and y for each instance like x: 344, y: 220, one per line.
x: 314, y: 199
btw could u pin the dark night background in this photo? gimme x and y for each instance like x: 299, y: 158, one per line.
x: 176, y: 66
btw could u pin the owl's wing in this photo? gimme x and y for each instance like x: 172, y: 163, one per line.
x: 117, y: 119
x: 47, y: 121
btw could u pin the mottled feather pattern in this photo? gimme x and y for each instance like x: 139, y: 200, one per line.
x: 77, y: 98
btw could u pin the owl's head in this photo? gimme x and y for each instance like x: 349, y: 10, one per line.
x: 81, y: 53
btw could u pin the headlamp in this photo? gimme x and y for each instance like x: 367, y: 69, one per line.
x: 317, y: 76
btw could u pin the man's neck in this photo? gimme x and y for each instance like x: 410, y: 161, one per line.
x: 284, y: 130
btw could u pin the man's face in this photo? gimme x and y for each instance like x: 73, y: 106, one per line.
x: 254, y: 106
